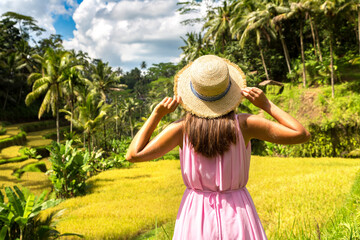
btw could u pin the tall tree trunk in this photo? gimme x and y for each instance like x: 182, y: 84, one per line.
x: 117, y: 118
x: 131, y: 127
x: 105, y: 134
x: 57, y: 123
x: 332, y: 67
x: 263, y: 62
x: 19, y: 98
x: 89, y: 142
x: 302, y: 53
x: 313, y: 34
x: 286, y: 52
x: 318, y: 43
x: 6, y: 98
x: 72, y: 114
x: 57, y: 114
x: 359, y: 27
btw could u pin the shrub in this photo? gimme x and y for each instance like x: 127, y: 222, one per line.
x: 37, y: 126
x: 42, y: 150
x: 95, y: 161
x: 19, y: 217
x: 53, y: 135
x: 30, y: 152
x: 31, y: 167
x: 68, y: 173
x: 2, y: 131
x: 12, y: 160
x: 18, y: 139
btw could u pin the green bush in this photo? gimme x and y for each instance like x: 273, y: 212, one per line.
x: 12, y: 160
x: 30, y: 152
x: 42, y: 150
x: 2, y: 131
x: 18, y: 139
x: 37, y: 126
x: 31, y: 167
x: 53, y: 135
x: 68, y: 173
x: 328, y: 140
x: 19, y: 216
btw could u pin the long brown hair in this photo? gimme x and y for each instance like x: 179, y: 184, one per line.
x: 211, y: 137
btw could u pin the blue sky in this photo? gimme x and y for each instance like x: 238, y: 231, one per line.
x: 64, y: 24
x: 121, y: 32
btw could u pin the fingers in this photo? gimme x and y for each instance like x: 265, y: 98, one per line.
x: 171, y: 103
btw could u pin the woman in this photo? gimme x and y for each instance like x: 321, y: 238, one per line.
x: 215, y: 148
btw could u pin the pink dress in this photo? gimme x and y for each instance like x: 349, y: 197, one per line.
x: 216, y: 203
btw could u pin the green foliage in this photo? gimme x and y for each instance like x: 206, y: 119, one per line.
x: 42, y: 151
x: 2, y: 131
x: 53, y: 136
x: 68, y: 172
x: 12, y: 160
x: 19, y: 216
x: 31, y: 167
x: 18, y: 139
x: 37, y: 126
x: 30, y: 152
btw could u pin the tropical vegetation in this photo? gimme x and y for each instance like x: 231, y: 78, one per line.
x: 308, y: 49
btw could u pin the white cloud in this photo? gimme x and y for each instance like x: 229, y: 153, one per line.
x: 122, y: 32
x: 40, y: 10
x: 125, y: 33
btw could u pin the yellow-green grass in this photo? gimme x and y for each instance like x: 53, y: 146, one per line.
x: 35, y: 139
x: 10, y: 152
x: 291, y: 195
x: 125, y: 202
x: 13, y: 129
x: 37, y: 182
x: 4, y: 136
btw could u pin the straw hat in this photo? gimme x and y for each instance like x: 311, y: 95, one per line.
x: 210, y: 86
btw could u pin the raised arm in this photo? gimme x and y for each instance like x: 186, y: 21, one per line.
x: 141, y: 149
x: 287, y: 131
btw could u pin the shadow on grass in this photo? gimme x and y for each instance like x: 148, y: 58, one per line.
x: 139, y: 176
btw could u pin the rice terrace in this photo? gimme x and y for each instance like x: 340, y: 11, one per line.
x: 74, y: 93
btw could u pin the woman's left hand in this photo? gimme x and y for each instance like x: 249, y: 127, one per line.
x: 167, y: 105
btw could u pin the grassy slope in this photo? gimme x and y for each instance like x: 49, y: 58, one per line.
x: 315, y: 105
x: 291, y: 196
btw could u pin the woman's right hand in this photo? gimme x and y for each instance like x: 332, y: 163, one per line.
x: 167, y: 105
x: 256, y: 96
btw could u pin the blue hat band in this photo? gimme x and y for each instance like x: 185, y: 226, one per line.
x: 210, y: 98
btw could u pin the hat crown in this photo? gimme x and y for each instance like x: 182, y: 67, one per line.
x: 209, y: 75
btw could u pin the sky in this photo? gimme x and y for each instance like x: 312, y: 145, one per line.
x: 121, y: 32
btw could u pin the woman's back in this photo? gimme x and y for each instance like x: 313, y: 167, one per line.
x: 216, y: 203
x: 220, y: 173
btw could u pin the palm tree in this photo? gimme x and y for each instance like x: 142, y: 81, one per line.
x: 193, y: 46
x: 26, y: 24
x: 297, y: 9
x: 217, y: 25
x: 11, y: 65
x: 24, y: 51
x: 50, y: 81
x: 331, y: 9
x: 88, y: 116
x: 73, y: 80
x: 277, y: 13
x: 255, y: 20
x: 312, y: 8
x: 130, y: 105
x: 104, y: 79
x: 354, y: 6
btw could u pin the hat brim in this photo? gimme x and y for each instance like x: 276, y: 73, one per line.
x: 213, y: 109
